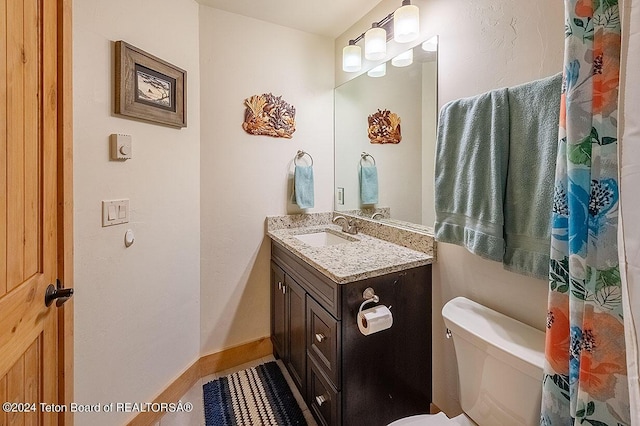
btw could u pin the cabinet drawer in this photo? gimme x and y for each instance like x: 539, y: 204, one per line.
x: 323, y: 340
x: 324, y: 400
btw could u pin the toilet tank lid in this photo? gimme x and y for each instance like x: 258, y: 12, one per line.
x: 463, y: 316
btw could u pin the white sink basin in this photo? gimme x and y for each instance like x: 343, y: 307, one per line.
x: 322, y: 239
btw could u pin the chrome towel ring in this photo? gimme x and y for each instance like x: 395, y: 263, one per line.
x: 301, y: 154
x: 363, y: 157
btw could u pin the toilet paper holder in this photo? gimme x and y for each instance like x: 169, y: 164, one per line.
x: 369, y: 295
x: 375, y: 319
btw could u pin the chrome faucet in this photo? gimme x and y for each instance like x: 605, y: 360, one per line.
x: 373, y: 216
x: 350, y: 226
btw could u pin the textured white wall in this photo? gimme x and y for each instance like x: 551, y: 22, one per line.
x: 137, y: 314
x: 244, y: 177
x: 483, y: 45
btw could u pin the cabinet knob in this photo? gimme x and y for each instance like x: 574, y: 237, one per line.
x: 320, y: 337
x: 321, y: 399
x: 280, y: 285
x: 284, y: 289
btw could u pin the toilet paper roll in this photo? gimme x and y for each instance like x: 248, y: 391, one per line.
x: 374, y: 319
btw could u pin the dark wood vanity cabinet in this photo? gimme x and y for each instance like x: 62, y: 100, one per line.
x: 288, y: 314
x: 347, y: 378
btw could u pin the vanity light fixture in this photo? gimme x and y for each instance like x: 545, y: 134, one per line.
x: 375, y: 43
x: 351, y: 57
x: 406, y: 22
x: 378, y: 71
x: 406, y: 28
x: 404, y: 59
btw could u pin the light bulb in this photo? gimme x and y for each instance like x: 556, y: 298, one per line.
x: 430, y: 45
x: 375, y: 43
x: 378, y: 71
x: 406, y: 22
x: 404, y: 59
x: 351, y: 57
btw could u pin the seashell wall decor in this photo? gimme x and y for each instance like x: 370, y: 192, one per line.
x: 269, y: 115
x: 384, y: 127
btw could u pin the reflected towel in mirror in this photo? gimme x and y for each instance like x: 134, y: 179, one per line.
x: 368, y: 184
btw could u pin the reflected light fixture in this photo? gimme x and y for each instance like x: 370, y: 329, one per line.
x: 430, y: 45
x: 351, y: 57
x: 406, y: 22
x: 375, y: 43
x: 378, y: 71
x: 406, y: 28
x: 404, y: 59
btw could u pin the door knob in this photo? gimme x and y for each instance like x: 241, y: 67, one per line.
x: 57, y: 293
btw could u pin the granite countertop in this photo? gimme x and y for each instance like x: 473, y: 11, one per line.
x: 362, y: 257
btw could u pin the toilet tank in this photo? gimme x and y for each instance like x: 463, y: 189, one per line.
x: 500, y: 364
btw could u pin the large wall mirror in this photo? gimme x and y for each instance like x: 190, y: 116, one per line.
x: 405, y: 170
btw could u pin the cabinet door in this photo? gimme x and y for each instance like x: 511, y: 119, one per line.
x: 297, y: 345
x: 278, y: 312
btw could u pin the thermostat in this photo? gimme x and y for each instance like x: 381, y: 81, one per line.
x: 120, y: 146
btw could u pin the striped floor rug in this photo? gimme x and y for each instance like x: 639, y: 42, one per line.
x: 254, y: 397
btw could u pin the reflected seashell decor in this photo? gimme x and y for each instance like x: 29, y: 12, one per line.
x: 269, y: 115
x: 384, y: 127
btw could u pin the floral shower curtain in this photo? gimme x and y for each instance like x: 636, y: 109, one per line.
x: 585, y: 379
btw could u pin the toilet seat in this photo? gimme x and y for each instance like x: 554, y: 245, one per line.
x: 439, y: 419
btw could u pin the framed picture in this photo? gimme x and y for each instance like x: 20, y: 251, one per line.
x: 148, y: 88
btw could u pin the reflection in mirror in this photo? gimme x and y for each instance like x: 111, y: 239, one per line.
x: 367, y: 110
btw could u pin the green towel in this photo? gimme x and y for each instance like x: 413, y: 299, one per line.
x: 472, y: 154
x: 303, y: 186
x: 368, y: 185
x: 534, y: 110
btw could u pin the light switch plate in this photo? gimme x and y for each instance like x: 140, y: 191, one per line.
x: 340, y: 195
x: 115, y: 212
x: 120, y: 146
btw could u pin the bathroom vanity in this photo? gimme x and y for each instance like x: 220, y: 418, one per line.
x: 345, y: 377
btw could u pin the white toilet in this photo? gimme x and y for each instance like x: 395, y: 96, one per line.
x: 500, y: 362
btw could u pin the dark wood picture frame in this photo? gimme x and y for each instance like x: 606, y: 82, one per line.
x: 148, y: 88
